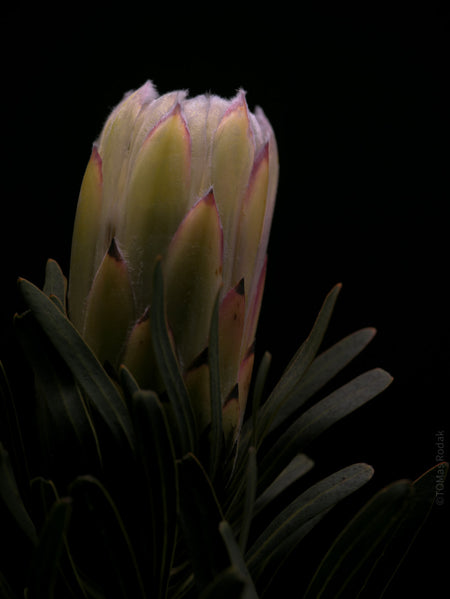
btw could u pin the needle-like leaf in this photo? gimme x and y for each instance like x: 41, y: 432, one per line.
x: 273, y: 546
x: 367, y: 554
x: 237, y: 559
x: 89, y: 374
x: 200, y: 516
x: 319, y: 418
x: 287, y: 385
x: 322, y: 370
x: 103, y: 541
x: 9, y: 494
x: 47, y: 554
x: 62, y: 415
x: 169, y: 369
x: 55, y: 285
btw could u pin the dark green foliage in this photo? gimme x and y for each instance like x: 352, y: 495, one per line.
x: 64, y: 423
x: 124, y: 500
x: 10, y: 497
x: 92, y: 379
x: 200, y: 516
x: 47, y: 554
x: 367, y: 553
x: 110, y: 551
x: 156, y: 461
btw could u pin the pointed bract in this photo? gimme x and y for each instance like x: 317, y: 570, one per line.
x: 197, y: 383
x: 230, y: 417
x: 251, y: 219
x: 244, y: 377
x: 253, y: 309
x: 157, y: 197
x: 110, y: 308
x: 115, y: 142
x: 233, y: 153
x: 84, y: 262
x: 231, y: 328
x: 139, y: 356
x: 193, y: 276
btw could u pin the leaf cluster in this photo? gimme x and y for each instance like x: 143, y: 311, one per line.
x: 119, y: 496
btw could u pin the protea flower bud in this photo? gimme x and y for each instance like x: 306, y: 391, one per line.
x: 193, y: 181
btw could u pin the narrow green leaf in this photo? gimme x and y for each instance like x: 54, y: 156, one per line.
x: 55, y: 284
x: 248, y: 437
x: 260, y: 381
x: 11, y: 433
x: 227, y: 585
x: 6, y: 591
x: 416, y: 512
x: 168, y: 367
x: 57, y: 303
x: 128, y: 382
x: 265, y: 578
x: 349, y: 562
x: 237, y: 559
x: 103, y: 544
x: 60, y: 403
x: 88, y: 372
x: 284, y: 397
x: 159, y: 479
x: 200, y: 516
x: 322, y: 370
x: 249, y: 498
x: 216, y: 401
x: 285, y: 531
x: 47, y: 554
x: 319, y: 418
x: 297, y: 366
x: 45, y: 495
x: 297, y: 467
x: 9, y: 494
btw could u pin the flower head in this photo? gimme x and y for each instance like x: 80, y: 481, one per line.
x: 192, y: 180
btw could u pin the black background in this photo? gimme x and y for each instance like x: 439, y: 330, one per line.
x: 359, y: 101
